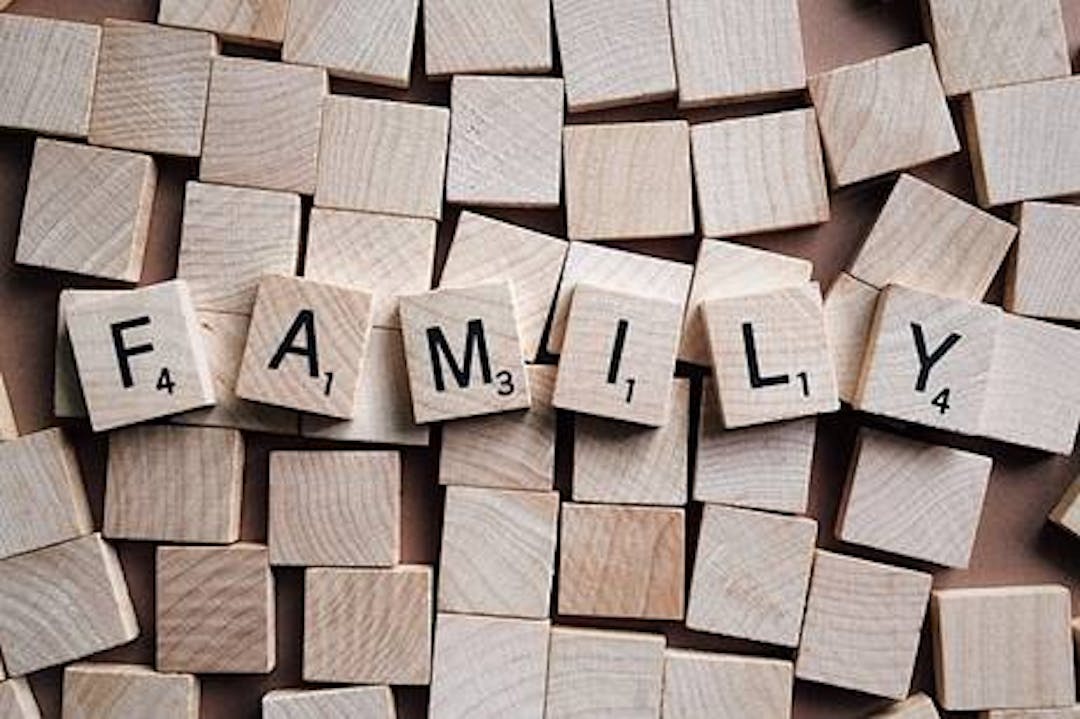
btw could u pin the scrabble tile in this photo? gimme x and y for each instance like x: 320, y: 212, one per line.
x: 917, y: 706
x: 215, y: 610
x: 335, y: 509
x: 174, y: 484
x: 140, y: 355
x: 358, y: 702
x: 849, y: 316
x: 17, y: 700
x: 87, y: 210
x: 593, y: 672
x: 450, y: 334
x: 751, y: 575
x: 1060, y: 713
x: 498, y: 552
x: 997, y: 42
x: 1038, y: 282
x: 1067, y: 512
x: 513, y: 450
x: 381, y: 254
x: 263, y: 121
x: 68, y: 398
x: 64, y: 52
x: 488, y: 250
x: 77, y: 590
x: 618, y: 561
x: 725, y: 686
x: 876, y: 654
x: 914, y: 499
x: 759, y: 173
x: 770, y: 356
x: 505, y: 141
x: 8, y: 428
x: 381, y: 156
x: 619, y: 463
x: 614, y: 52
x: 471, y: 36
x: 628, y: 180
x: 231, y: 237
x: 151, y: 88
x: 368, y: 626
x: 369, y: 41
x: 122, y: 691
x: 882, y: 115
x: 1003, y: 648
x: 1017, y: 147
x: 488, y: 667
x: 258, y: 22
x: 285, y: 363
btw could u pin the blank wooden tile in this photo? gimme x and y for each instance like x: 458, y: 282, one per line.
x: 875, y: 654
x: 64, y: 52
x: 9, y: 429
x: 1047, y: 257
x: 382, y: 156
x: 917, y: 706
x: 123, y: 691
x: 335, y: 509
x: 726, y: 686
x: 759, y: 173
x: 882, y: 115
x: 488, y: 667
x: 1003, y: 648
x: 370, y: 40
x: 505, y: 141
x: 306, y: 346
x: 914, y: 499
x: 356, y: 702
x: 87, y: 210
x: 17, y: 700
x: 263, y: 121
x: 1067, y: 511
x: 628, y: 180
x: 174, y: 484
x: 849, y: 316
x: 498, y: 552
x: 76, y: 590
x: 151, y: 89
x: 618, y: 561
x: 215, y: 610
x: 472, y: 36
x: 244, y: 21
x: 1060, y: 713
x: 68, y: 398
x: 597, y: 673
x: 751, y: 575
x: 368, y: 625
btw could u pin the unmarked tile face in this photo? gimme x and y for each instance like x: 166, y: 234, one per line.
x: 849, y: 315
x: 473, y: 36
x: 358, y: 702
x: 917, y: 706
x: 244, y: 21
x: 726, y: 686
x: 102, y: 690
x: 1046, y: 257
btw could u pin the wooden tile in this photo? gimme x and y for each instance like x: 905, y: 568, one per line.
x: 628, y: 180
x: 450, y: 334
x: 369, y: 41
x: 917, y: 706
x: 770, y: 356
x: 849, y: 317
x: 876, y: 654
x: 263, y: 121
x: 620, y: 463
x: 123, y: 691
x: 357, y: 702
x: 174, y: 484
x: 87, y: 210
x: 256, y: 22
x: 913, y: 499
x: 286, y: 365
x: 488, y: 667
x: 151, y: 88
x: 368, y: 625
x: 335, y: 509
x: 9, y: 429
x: 1038, y: 282
x: 1060, y: 713
x: 759, y: 173
x: 64, y: 52
x: 618, y: 561
x: 381, y: 254
x: 726, y: 686
x: 470, y: 36
x: 488, y: 250
x: 77, y: 590
x: 215, y: 610
x: 232, y: 236
x: 1003, y: 648
x: 140, y: 355
x: 593, y: 672
x: 883, y: 115
x: 505, y: 141
x: 17, y: 700
x: 1067, y: 511
x: 751, y: 575
x: 498, y: 552
x: 68, y: 398
x: 381, y: 156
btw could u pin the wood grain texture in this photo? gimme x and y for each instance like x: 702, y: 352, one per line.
x: 882, y: 115
x: 1067, y: 512
x: 343, y: 703
x: 917, y: 706
x: 474, y: 36
x: 700, y: 685
x: 244, y: 21
x: 68, y: 398
x: 9, y: 428
x: 128, y: 691
x: 1060, y: 713
x: 1046, y: 257
x: 17, y: 700
x: 849, y: 316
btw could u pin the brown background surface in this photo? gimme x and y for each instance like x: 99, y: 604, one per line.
x: 1015, y: 545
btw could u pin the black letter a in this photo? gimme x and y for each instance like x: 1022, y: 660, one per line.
x: 305, y: 320
x: 439, y: 348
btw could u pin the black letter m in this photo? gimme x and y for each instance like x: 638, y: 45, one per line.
x: 474, y: 342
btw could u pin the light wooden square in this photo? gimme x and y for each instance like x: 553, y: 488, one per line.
x: 68, y: 398
x: 1067, y: 512
x: 726, y: 686
x: 1071, y: 712
x: 471, y: 36
x: 9, y: 429
x: 122, y: 691
x: 849, y: 317
x: 355, y: 702
x: 17, y: 700
x: 917, y: 706
x: 258, y: 22
x: 1046, y: 258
